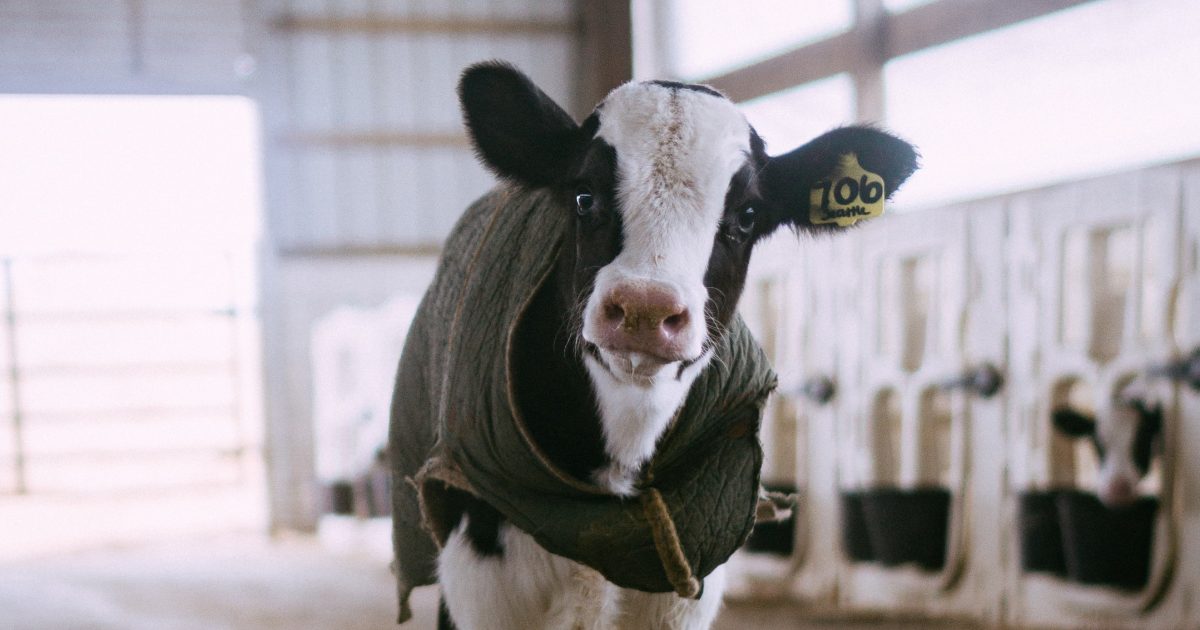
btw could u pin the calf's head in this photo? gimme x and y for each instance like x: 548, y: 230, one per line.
x: 1125, y: 443
x: 669, y: 188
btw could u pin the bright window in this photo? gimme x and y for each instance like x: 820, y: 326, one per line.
x: 707, y: 37
x: 792, y: 117
x: 127, y: 173
x: 1103, y: 87
x: 127, y: 230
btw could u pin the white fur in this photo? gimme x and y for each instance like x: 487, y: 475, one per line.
x: 1117, y: 433
x: 517, y: 590
x: 1118, y: 477
x: 634, y: 412
x: 528, y: 588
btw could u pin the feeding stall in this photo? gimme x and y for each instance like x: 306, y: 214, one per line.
x: 921, y: 358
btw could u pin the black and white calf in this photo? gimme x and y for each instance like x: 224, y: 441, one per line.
x: 1126, y: 441
x: 669, y: 188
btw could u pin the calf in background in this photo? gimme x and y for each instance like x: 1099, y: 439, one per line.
x: 1125, y: 441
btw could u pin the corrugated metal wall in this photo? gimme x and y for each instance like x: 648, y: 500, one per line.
x: 363, y: 120
x: 123, y: 46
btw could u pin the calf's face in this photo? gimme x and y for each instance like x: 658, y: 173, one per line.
x: 1125, y: 443
x: 670, y: 188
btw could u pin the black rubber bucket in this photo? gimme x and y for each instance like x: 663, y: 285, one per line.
x: 1041, y: 538
x: 908, y: 526
x: 777, y: 538
x: 339, y: 498
x: 1105, y: 546
x: 378, y: 491
x: 855, y: 540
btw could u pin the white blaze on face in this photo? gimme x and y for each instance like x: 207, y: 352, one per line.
x: 1119, y: 475
x: 677, y: 150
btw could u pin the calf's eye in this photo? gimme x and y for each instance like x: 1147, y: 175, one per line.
x: 739, y: 227
x: 745, y: 220
x: 584, y: 201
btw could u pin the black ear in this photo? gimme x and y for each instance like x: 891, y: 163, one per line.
x: 518, y: 131
x: 1073, y: 423
x: 788, y: 179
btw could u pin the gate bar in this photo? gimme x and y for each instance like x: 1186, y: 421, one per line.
x: 14, y: 378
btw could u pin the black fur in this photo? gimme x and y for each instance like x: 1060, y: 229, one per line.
x: 553, y: 392
x: 1146, y: 439
x: 1075, y: 424
x: 483, y: 522
x: 518, y: 131
x: 692, y: 87
x: 444, y: 622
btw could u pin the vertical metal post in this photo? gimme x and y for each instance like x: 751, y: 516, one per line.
x: 14, y: 378
x: 870, y: 22
x: 136, y: 11
x: 234, y: 312
x: 606, y: 51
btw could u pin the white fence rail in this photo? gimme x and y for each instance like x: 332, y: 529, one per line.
x: 122, y: 374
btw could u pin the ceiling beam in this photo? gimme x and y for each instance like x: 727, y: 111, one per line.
x: 375, y: 25
x: 895, y: 35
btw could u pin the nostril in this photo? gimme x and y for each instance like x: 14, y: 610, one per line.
x: 613, y: 313
x: 675, y: 323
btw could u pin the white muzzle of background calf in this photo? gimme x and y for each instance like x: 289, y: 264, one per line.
x: 1118, y: 476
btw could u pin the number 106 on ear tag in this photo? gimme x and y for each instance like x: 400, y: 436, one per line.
x: 851, y: 193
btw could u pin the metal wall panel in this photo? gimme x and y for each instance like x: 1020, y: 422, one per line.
x: 364, y: 121
x: 123, y: 46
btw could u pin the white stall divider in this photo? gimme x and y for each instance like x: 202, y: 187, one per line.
x: 1070, y: 292
x: 790, y: 306
x: 1096, y: 275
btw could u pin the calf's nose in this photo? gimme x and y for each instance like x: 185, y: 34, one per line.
x: 646, y: 318
x: 1118, y: 493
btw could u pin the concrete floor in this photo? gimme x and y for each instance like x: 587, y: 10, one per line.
x: 244, y: 583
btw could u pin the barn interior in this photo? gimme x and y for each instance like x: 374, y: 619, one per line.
x: 217, y: 220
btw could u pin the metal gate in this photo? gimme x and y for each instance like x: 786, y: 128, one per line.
x: 125, y: 381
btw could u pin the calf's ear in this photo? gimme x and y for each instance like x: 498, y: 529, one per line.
x: 788, y: 179
x: 1073, y: 423
x: 518, y: 132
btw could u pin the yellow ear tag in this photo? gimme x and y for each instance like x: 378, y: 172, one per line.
x: 849, y: 194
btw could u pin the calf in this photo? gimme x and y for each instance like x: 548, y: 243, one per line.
x: 1125, y: 442
x: 662, y: 193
